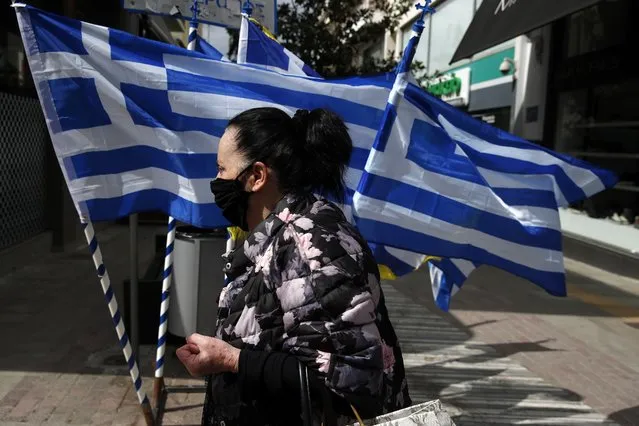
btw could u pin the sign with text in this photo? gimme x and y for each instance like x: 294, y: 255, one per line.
x: 453, y: 87
x: 224, y: 13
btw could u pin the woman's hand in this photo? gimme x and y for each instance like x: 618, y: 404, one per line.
x: 204, y: 355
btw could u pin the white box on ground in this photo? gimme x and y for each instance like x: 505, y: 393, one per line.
x: 197, y: 281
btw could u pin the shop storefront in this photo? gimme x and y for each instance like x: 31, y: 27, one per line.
x: 593, y: 95
x: 480, y: 88
x: 576, y: 92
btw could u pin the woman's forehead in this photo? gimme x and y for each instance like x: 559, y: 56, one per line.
x: 227, y: 145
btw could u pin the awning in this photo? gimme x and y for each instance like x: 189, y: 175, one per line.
x: 497, y: 21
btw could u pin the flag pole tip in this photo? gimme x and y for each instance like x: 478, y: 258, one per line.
x: 247, y: 8
x: 425, y: 8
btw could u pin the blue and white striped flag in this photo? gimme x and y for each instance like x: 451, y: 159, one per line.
x: 258, y: 46
x: 135, y: 123
x: 440, y: 180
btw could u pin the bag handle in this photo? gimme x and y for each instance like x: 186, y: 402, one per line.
x: 306, y: 395
x: 307, y: 418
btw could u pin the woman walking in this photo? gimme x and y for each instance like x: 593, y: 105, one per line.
x: 304, y: 287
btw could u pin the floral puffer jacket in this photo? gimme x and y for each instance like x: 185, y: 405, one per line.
x: 306, y: 283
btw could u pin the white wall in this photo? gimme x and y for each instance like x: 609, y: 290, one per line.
x: 532, y: 54
x: 449, y: 24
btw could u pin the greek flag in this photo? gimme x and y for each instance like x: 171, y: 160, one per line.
x: 439, y: 180
x: 135, y: 123
x: 447, y: 275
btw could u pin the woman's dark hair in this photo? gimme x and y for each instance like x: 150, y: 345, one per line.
x: 308, y: 152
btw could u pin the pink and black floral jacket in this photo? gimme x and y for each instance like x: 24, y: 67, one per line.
x: 306, y: 283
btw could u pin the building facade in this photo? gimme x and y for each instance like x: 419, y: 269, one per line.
x: 476, y: 85
x: 592, y: 112
x: 568, y: 86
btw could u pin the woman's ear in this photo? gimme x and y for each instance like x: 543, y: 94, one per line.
x: 259, y: 176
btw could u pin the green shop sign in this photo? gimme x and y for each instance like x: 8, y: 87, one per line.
x: 446, y: 88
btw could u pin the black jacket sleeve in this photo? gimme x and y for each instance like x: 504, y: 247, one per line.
x: 276, y: 374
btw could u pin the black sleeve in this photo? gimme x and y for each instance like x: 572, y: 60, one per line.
x: 276, y: 374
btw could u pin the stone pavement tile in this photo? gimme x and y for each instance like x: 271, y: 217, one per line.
x: 569, y: 343
x: 27, y: 408
x: 9, y: 380
x: 189, y: 412
x: 128, y: 415
x: 72, y: 401
x: 182, y: 408
x: 56, y: 393
x: 13, y: 397
x: 113, y: 397
x: 86, y: 407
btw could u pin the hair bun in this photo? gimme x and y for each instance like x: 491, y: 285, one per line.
x: 301, y: 114
x: 301, y: 122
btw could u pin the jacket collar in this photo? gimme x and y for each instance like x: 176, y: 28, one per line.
x: 288, y: 209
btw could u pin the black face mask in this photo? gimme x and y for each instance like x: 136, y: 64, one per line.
x: 231, y: 197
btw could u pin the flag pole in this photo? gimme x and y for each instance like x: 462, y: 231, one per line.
x: 159, y: 387
x: 409, y: 51
x: 110, y: 298
x: 233, y: 233
x: 118, y: 323
x: 383, y: 134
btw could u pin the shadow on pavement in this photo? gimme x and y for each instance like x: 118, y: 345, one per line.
x: 479, y: 384
x: 629, y: 416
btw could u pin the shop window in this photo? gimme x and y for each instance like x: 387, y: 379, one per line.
x: 597, y: 28
x: 600, y: 124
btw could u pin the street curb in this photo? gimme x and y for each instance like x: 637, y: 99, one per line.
x: 601, y: 256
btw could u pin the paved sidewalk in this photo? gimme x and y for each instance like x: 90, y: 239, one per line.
x: 586, y: 343
x: 61, y: 363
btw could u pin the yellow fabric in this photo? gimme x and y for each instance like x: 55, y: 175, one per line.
x: 263, y: 28
x: 357, y: 416
x: 387, y: 273
x: 236, y: 233
x: 433, y: 258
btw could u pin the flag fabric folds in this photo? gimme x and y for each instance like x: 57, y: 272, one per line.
x: 259, y: 47
x: 437, y: 178
x: 135, y: 125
